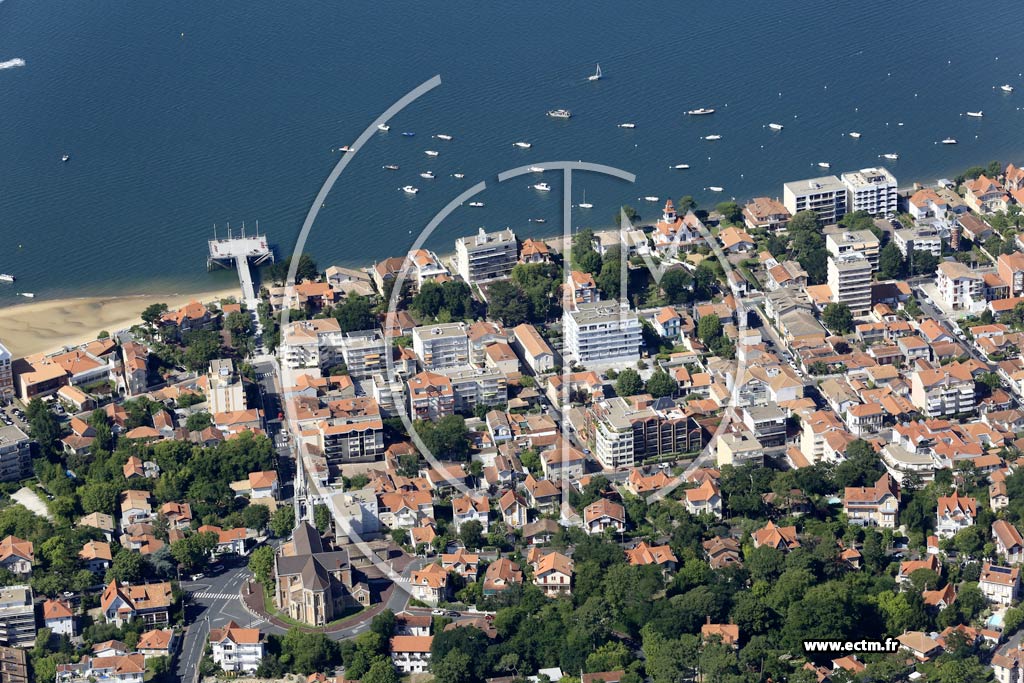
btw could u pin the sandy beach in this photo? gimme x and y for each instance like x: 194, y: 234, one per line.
x: 46, y: 326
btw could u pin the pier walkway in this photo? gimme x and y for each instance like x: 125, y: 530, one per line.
x: 241, y: 250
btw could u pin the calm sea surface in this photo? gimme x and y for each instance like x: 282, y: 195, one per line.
x: 182, y: 115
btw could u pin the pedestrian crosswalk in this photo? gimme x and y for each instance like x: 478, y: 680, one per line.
x: 215, y: 596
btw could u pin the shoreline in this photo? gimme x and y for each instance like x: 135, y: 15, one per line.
x: 48, y: 326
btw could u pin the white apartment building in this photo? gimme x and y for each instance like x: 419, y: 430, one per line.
x: 441, y: 346
x: 236, y: 649
x: 226, y: 393
x: 849, y: 279
x: 918, y: 238
x: 959, y: 286
x: 364, y: 353
x: 603, y: 331
x: 826, y: 196
x: 840, y: 242
x: 473, y: 387
x: 943, y: 392
x: 487, y: 256
x: 6, y: 376
x: 613, y: 435
x: 311, y: 343
x: 872, y: 190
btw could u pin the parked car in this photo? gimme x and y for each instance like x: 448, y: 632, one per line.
x: 197, y: 577
x: 437, y: 612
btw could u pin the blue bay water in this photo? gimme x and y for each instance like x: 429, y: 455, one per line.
x: 236, y: 119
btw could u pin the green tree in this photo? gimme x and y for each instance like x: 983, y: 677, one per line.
x: 201, y: 346
x: 661, y: 384
x: 255, y: 517
x: 506, y: 302
x: 355, y: 313
x: 677, y: 284
x: 151, y: 314
x: 126, y: 567
x: 446, y: 438
x: 837, y: 317
x: 890, y: 262
x: 730, y: 211
x: 322, y: 518
x: 629, y: 383
x: 471, y: 534
x: 283, y: 521
x: 454, y: 667
x: 261, y: 564
x: 197, y: 422
x: 808, y: 246
x: 709, y: 329
x: 924, y: 262
x: 381, y: 671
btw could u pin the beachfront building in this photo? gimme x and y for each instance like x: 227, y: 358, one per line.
x: 6, y: 375
x: 441, y: 346
x: 487, y: 256
x: 840, y: 242
x: 826, y: 196
x: 765, y: 213
x: 871, y: 189
x: 918, y: 238
x: 603, y: 332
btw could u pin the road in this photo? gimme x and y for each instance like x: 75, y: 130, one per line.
x: 211, y: 603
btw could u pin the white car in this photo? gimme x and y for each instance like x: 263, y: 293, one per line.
x: 438, y: 612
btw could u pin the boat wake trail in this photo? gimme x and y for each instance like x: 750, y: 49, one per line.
x: 11, y: 63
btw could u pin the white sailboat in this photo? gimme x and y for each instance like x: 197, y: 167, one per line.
x: 585, y: 204
x: 596, y: 76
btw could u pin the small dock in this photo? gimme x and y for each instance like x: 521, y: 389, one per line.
x: 242, y: 250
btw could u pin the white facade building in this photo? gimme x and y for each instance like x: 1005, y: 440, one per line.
x: 872, y: 190
x: 441, y: 346
x: 486, y: 256
x: 603, y: 331
x: 826, y: 196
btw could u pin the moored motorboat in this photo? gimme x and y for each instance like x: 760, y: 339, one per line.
x: 716, y: 136
x: 976, y: 114
x: 431, y: 153
x: 522, y: 145
x: 560, y: 114
x: 775, y: 126
x: 543, y: 187
x: 383, y: 128
x: 627, y: 125
x: 680, y: 167
x: 429, y: 175
x: 824, y: 164
x: 409, y: 189
x: 443, y: 136
x: 949, y: 141
x: 854, y: 135
x: 476, y: 204
x: 390, y: 167
x: 703, y: 111
x: 6, y: 278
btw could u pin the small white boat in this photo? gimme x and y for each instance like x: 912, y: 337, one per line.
x: 855, y: 135
x: 1006, y: 88
x: 560, y: 114
x: 6, y: 278
x: 651, y: 198
x: 65, y: 158
x: 476, y: 204
x: 28, y: 295
x: 585, y: 205
x: 543, y: 187
x: 429, y: 175
x: 536, y: 169
x: 443, y: 136
x: 409, y: 189
x: 775, y: 126
x: 627, y: 125
x: 597, y: 75
x: 680, y: 167
x: 824, y: 164
x: 383, y: 128
x: 715, y: 188
x: 522, y: 145
x: 431, y: 153
x: 538, y: 220
x: 713, y: 137
x: 703, y: 111
x: 949, y: 141
x: 890, y: 156
x: 976, y: 114
x: 344, y: 149
x: 458, y: 176
x: 390, y: 167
